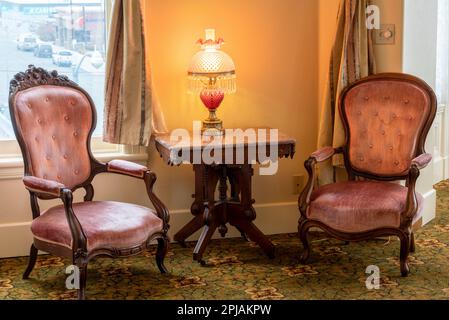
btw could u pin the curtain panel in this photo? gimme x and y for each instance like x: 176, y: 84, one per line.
x: 131, y: 113
x: 352, y: 58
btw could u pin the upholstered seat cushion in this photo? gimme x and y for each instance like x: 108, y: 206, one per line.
x: 106, y: 224
x: 358, y: 206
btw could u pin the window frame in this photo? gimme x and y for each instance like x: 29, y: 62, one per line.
x: 11, y: 162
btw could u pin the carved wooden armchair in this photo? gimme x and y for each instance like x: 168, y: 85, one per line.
x: 53, y: 120
x: 387, y: 118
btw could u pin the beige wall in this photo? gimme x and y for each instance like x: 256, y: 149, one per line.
x: 275, y: 48
x: 388, y: 57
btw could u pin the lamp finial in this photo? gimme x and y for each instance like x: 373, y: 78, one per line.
x: 210, y: 34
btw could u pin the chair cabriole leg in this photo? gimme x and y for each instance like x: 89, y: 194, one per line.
x: 162, y: 248
x: 31, y: 262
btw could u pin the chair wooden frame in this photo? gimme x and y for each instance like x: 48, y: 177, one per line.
x: 404, y: 231
x: 79, y: 253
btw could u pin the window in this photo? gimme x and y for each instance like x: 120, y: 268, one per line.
x: 64, y: 35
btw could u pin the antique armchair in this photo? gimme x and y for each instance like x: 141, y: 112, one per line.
x: 53, y: 120
x: 386, y: 118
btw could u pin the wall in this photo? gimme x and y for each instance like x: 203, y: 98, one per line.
x: 327, y: 22
x: 275, y: 50
x: 388, y: 57
x: 419, y: 55
x: 420, y: 39
x: 275, y: 47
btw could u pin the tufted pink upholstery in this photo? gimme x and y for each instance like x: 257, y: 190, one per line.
x: 385, y: 120
x: 54, y: 122
x: 359, y: 206
x: 107, y: 224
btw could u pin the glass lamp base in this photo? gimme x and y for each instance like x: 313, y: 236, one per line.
x: 212, y: 132
x: 212, y: 128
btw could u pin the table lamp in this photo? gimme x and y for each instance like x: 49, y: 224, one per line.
x: 211, y: 74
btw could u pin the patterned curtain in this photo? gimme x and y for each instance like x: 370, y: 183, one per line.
x: 352, y: 58
x: 131, y: 112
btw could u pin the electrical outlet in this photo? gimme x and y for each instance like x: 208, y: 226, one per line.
x: 298, y: 184
x: 385, y: 35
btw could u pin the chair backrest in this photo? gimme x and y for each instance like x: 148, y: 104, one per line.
x: 53, y: 120
x: 387, y: 118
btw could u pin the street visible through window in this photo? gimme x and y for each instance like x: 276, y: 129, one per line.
x: 64, y: 35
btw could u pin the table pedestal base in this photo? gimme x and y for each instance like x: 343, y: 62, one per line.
x: 234, y: 207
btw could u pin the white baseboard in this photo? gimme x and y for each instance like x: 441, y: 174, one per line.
x: 16, y: 238
x: 429, y: 212
x: 446, y: 168
x: 440, y: 169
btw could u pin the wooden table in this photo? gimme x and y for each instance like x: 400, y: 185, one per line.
x: 234, y: 206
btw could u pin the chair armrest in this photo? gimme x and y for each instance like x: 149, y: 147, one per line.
x: 138, y: 171
x: 43, y: 186
x: 161, y: 210
x: 323, y: 154
x: 422, y: 160
x: 55, y: 189
x: 320, y: 155
x: 411, y: 207
x: 127, y: 168
x: 79, y: 239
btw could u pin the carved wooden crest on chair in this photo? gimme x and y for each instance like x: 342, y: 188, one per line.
x: 53, y: 119
x: 386, y: 118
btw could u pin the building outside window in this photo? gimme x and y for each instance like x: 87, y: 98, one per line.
x: 64, y: 35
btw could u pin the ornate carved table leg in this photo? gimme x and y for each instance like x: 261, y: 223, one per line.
x: 243, y: 220
x: 205, y: 237
x: 223, y: 190
x: 190, y: 228
x: 233, y: 176
x: 197, y: 207
x: 212, y: 216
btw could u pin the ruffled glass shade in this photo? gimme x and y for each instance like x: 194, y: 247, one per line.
x: 211, y: 68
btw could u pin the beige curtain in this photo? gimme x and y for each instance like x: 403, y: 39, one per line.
x: 352, y: 58
x: 131, y: 112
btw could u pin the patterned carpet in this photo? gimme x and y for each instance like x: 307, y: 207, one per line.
x: 238, y: 270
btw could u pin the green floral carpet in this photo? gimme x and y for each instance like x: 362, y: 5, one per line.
x: 239, y: 270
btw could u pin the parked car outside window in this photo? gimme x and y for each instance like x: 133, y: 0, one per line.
x: 43, y: 51
x: 63, y: 58
x: 26, y: 42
